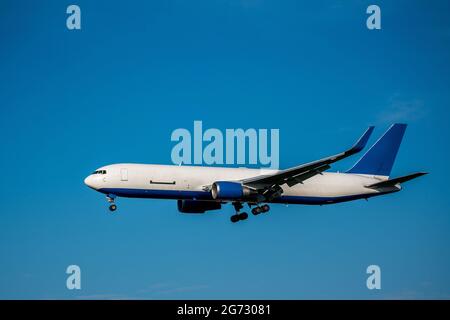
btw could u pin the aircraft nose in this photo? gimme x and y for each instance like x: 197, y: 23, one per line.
x: 89, y: 181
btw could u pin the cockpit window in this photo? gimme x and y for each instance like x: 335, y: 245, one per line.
x: 99, y: 172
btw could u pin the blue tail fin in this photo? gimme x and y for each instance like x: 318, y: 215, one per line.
x: 379, y: 159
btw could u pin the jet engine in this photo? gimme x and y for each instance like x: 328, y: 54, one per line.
x: 226, y: 190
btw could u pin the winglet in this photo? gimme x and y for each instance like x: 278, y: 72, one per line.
x: 361, y: 143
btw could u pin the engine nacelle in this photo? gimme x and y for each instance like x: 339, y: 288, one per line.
x: 196, y: 206
x: 226, y: 190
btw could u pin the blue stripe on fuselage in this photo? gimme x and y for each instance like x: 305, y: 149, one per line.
x: 159, y: 194
x: 204, y: 195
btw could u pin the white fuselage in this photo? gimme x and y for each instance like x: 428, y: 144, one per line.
x: 193, y: 182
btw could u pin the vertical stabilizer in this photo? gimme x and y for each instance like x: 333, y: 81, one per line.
x: 379, y: 159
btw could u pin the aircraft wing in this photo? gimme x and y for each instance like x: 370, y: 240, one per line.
x: 298, y: 174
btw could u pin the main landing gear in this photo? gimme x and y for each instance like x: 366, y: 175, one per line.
x: 112, y: 206
x: 260, y: 209
x: 238, y: 216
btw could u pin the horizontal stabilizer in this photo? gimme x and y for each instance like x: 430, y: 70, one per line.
x: 395, y: 181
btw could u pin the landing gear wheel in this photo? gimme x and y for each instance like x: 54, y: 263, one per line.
x: 112, y: 207
x: 234, y: 218
x: 265, y: 208
x: 243, y: 216
x: 256, y: 211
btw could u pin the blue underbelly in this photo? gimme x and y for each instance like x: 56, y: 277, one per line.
x: 204, y: 195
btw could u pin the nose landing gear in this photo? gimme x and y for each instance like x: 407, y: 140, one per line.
x: 112, y: 206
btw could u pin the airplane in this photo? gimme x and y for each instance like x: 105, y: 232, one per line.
x: 198, y: 189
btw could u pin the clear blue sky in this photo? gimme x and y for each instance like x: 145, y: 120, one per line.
x: 72, y: 101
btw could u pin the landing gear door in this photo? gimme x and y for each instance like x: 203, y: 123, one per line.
x: 123, y: 174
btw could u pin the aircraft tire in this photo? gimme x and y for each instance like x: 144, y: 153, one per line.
x: 256, y: 211
x: 243, y: 216
x: 234, y: 218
